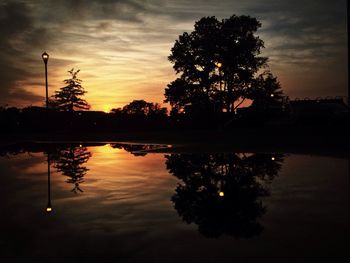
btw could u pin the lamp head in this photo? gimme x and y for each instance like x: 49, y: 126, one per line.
x: 48, y: 208
x: 45, y: 57
x: 219, y: 64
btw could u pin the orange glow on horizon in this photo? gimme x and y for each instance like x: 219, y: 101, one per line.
x: 107, y: 108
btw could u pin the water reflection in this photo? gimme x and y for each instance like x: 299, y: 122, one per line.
x: 69, y: 161
x: 136, y: 149
x: 132, y: 209
x: 49, y: 205
x: 222, y: 193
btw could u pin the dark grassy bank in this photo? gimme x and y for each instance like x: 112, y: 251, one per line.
x: 308, y: 140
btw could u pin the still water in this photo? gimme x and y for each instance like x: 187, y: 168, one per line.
x: 124, y: 203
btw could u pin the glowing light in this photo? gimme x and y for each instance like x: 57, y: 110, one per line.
x: 221, y: 194
x: 48, y: 209
x: 80, y: 145
x: 273, y: 158
x: 219, y: 64
x: 107, y: 108
x: 45, y: 57
x: 272, y: 95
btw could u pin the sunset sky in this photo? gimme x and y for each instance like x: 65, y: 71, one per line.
x: 121, y: 46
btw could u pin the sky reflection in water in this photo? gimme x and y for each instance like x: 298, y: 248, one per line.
x: 118, y: 203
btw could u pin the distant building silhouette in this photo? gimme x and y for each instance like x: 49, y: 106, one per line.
x: 278, y: 108
x: 318, y: 109
x: 303, y: 110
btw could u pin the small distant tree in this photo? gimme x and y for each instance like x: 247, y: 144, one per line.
x: 143, y: 108
x: 68, y: 98
x: 266, y: 91
x: 136, y: 107
x: 117, y: 111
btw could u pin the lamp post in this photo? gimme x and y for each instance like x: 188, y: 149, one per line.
x: 45, y: 57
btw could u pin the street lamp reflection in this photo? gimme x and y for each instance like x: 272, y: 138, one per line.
x: 49, y: 206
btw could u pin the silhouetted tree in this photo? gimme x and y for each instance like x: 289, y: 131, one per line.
x: 68, y: 98
x: 142, y: 108
x: 136, y: 149
x: 116, y: 111
x: 218, y: 63
x: 69, y: 161
x: 221, y: 193
x: 266, y: 91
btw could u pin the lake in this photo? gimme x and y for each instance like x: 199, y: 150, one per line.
x: 119, y: 202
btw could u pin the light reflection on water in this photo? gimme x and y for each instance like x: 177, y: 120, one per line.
x: 120, y: 203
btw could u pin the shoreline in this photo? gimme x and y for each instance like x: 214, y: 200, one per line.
x: 204, y: 141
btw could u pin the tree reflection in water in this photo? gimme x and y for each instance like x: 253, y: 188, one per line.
x: 136, y: 149
x: 222, y: 193
x: 69, y: 161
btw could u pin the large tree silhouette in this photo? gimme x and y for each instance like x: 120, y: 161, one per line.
x: 217, y: 62
x: 68, y: 98
x: 221, y: 193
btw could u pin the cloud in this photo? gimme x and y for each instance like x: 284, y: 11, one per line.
x: 307, y: 39
x: 67, y: 11
x: 16, y: 27
x: 121, y: 46
x: 28, y: 28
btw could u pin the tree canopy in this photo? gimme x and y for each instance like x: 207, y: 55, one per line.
x: 141, y: 108
x: 266, y: 91
x: 68, y: 98
x: 218, y: 63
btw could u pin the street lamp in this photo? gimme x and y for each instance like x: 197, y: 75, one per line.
x: 45, y: 57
